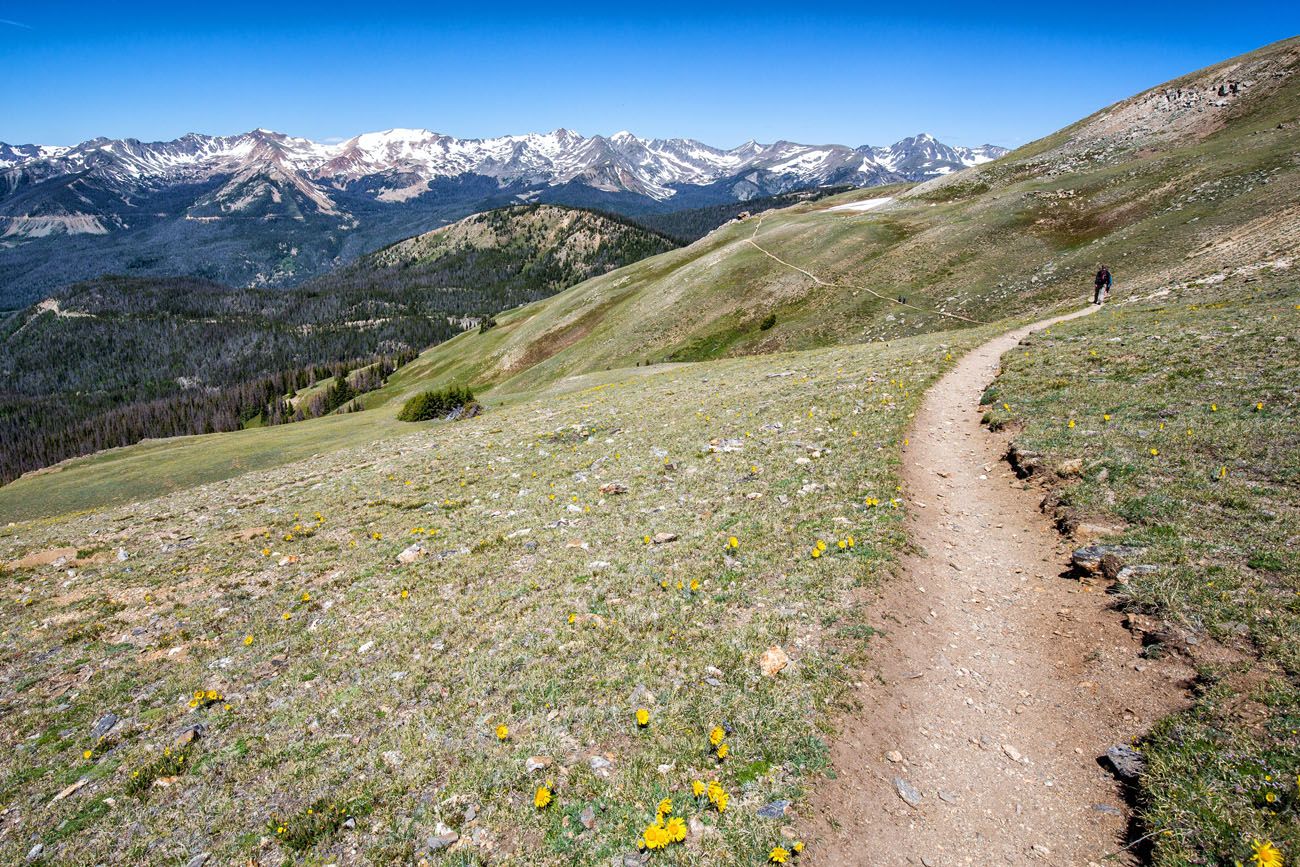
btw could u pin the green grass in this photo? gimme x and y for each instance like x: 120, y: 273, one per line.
x: 539, y: 606
x: 1208, y: 380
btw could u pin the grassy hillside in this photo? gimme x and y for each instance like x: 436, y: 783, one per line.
x: 1163, y: 189
x: 1183, y: 415
x: 273, y: 610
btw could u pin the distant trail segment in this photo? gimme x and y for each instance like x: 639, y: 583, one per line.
x: 752, y: 239
x: 995, y: 683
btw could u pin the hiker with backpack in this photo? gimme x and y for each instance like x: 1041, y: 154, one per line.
x: 1101, y: 285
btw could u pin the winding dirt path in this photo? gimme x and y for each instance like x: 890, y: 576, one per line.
x: 996, y: 682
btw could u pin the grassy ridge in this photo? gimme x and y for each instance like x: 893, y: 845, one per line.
x: 342, y: 677
x: 1186, y: 416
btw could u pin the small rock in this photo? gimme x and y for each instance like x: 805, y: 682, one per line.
x: 1071, y: 467
x: 1040, y: 850
x: 774, y: 810
x: 537, y: 763
x: 613, y: 488
x: 70, y: 790
x: 600, y: 765
x: 1126, y: 762
x: 198, y: 860
x: 948, y: 797
x: 1088, y: 559
x: 441, y: 841
x: 392, y: 759
x: 471, y: 813
x: 35, y: 852
x: 411, y: 554
x: 122, y: 555
x: 587, y: 817
x: 1108, y: 809
x: 1012, y: 752
x: 663, y: 538
x: 773, y: 661
x: 103, y: 726
x: 636, y: 859
x: 894, y: 756
x: 907, y: 791
x: 190, y: 734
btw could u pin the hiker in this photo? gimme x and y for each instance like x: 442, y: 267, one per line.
x: 1101, y: 285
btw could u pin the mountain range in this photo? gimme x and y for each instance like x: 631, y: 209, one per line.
x: 265, y: 208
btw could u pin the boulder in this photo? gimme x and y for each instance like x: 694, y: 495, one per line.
x: 773, y: 661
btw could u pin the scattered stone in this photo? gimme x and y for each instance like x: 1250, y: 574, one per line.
x: 1128, y: 573
x: 600, y: 765
x: 1108, y: 809
x: 72, y: 789
x: 1040, y: 851
x: 103, y: 726
x: 289, y: 559
x: 907, y: 791
x: 587, y: 817
x: 613, y: 488
x: 471, y: 813
x: 35, y: 852
x: 636, y: 859
x: 1071, y: 467
x: 122, y: 555
x: 1126, y: 762
x: 1012, y: 752
x: 198, y: 860
x: 894, y: 756
x: 663, y: 538
x: 773, y: 661
x: 1088, y: 559
x: 441, y: 841
x: 948, y: 797
x: 190, y: 734
x: 392, y: 759
x: 411, y: 554
x: 537, y: 763
x: 774, y: 810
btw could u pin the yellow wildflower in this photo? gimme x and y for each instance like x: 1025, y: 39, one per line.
x: 87, y: 754
x: 406, y: 593
x: 542, y: 797
x: 1265, y: 854
x: 697, y: 787
x: 695, y: 584
x: 248, y: 640
x: 654, y: 837
x: 1071, y: 424
x: 778, y: 855
x: 306, y: 597
x: 797, y: 847
x: 666, y: 806
x: 1155, y: 453
x: 642, y: 717
x: 676, y: 829
x: 723, y: 749
x: 286, y: 615
x: 503, y: 732
x: 716, y: 736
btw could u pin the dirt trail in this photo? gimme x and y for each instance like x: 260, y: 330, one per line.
x: 996, y: 683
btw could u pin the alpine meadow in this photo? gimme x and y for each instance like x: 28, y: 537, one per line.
x: 549, y: 499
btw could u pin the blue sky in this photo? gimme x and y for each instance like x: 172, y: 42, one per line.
x: 977, y: 72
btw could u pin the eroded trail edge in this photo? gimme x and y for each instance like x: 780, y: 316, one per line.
x: 995, y: 682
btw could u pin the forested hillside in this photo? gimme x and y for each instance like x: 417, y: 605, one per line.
x: 109, y: 362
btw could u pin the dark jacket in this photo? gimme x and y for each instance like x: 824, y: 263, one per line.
x: 1103, y: 279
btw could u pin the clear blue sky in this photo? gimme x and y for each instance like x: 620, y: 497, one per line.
x: 998, y: 72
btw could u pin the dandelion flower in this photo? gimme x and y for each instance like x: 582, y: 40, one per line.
x: 87, y: 754
x: 542, y: 797
x: 843, y: 544
x: 306, y: 597
x: 1265, y: 854
x: 573, y: 618
x: 723, y: 750
x: 733, y: 542
x: 697, y: 787
x: 1155, y: 452
x: 676, y: 829
x: 1105, y: 417
x: 406, y: 593
x: 285, y: 616
x: 642, y: 717
x: 1071, y: 424
x: 778, y: 855
x: 248, y: 640
x: 666, y: 806
x: 503, y: 732
x: 1223, y: 472
x: 266, y: 552
x: 797, y: 847
x: 654, y: 837
x: 816, y: 552
x: 717, y: 735
x: 1214, y: 407
x: 695, y: 584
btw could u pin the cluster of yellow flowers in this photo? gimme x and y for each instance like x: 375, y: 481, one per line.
x: 871, y: 502
x: 717, y: 740
x: 205, y: 697
x: 665, y: 829
x: 781, y: 855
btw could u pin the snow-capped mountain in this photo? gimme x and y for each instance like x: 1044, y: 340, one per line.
x: 280, y: 208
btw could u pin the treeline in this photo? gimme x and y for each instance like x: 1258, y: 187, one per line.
x: 39, y: 431
x: 692, y: 224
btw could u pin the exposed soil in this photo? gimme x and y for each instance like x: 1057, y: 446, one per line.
x: 997, y: 681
